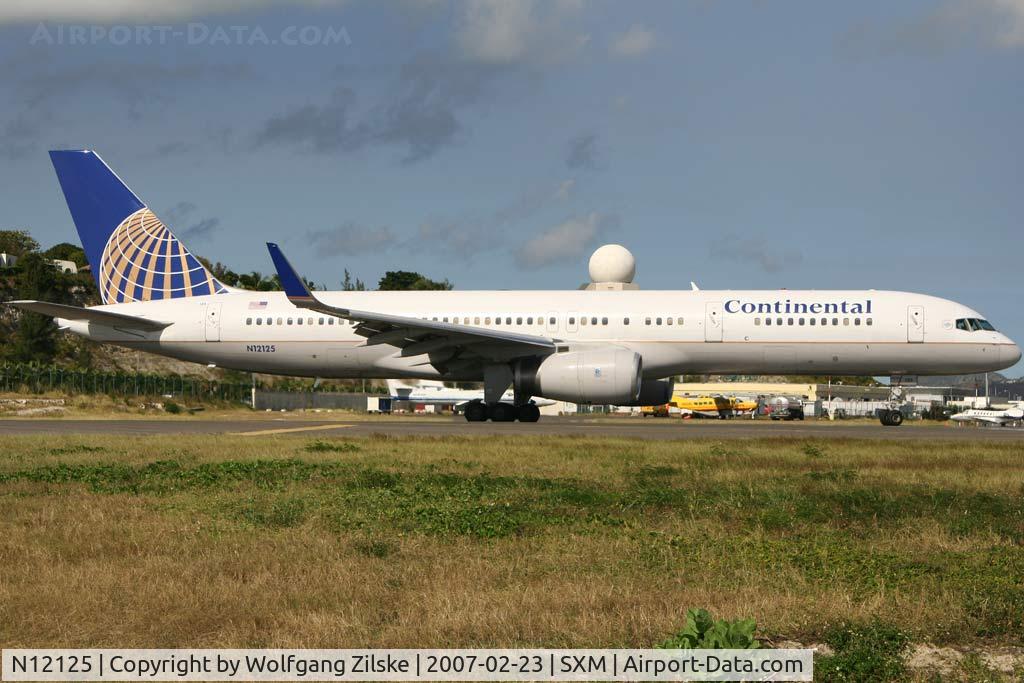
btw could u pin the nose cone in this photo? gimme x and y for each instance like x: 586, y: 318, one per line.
x: 1011, y: 354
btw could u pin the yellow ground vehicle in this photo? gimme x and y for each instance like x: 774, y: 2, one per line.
x: 655, y: 411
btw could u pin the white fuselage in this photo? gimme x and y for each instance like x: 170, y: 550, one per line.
x: 863, y: 332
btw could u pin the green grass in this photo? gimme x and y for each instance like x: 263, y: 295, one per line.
x: 523, y: 541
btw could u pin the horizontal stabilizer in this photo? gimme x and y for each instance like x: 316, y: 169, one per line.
x: 92, y: 315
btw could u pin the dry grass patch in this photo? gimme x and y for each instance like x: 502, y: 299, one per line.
x: 299, y: 542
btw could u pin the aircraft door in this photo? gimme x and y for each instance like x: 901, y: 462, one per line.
x: 213, y: 315
x: 713, y: 321
x: 915, y: 324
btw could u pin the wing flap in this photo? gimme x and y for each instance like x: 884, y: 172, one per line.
x: 92, y: 315
x: 423, y: 334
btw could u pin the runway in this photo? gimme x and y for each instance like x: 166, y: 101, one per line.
x: 598, y: 427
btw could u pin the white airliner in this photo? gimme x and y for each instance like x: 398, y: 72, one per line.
x: 999, y: 417
x: 584, y: 346
x: 435, y: 392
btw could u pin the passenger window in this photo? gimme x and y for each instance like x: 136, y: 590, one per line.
x: 321, y: 321
x: 248, y: 321
x: 824, y: 321
x: 668, y: 321
x: 309, y: 321
x: 497, y: 321
x: 800, y: 321
x: 487, y: 321
x: 657, y: 321
x: 330, y: 321
x: 679, y: 321
x: 593, y: 321
x: 757, y: 321
x: 778, y: 321
x: 259, y: 321
x: 583, y: 321
x: 868, y: 321
x: 529, y: 321
x: 625, y: 321
x: 767, y: 321
x: 835, y: 321
x: 552, y: 322
x: 519, y: 321
x: 508, y: 321
x: 572, y: 321
x: 790, y: 321
x: 856, y: 321
x: 846, y: 321
x: 476, y: 321
x: 813, y: 321
x: 604, y: 321
x: 289, y: 321
x: 647, y: 321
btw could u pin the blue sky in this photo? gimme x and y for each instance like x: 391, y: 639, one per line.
x: 738, y: 144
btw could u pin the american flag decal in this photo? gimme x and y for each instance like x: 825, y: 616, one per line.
x: 257, y: 305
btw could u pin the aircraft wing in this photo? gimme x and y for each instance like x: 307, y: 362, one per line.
x: 92, y: 315
x: 414, y: 336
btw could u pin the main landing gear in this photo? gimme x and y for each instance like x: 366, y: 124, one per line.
x: 891, y: 416
x: 478, y: 411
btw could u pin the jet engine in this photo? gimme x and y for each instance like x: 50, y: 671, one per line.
x: 653, y: 392
x: 608, y: 375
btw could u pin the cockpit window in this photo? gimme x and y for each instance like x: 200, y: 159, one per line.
x: 974, y: 325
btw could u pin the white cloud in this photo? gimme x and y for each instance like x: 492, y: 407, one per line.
x: 1011, y: 31
x: 564, y: 190
x: 510, y: 31
x: 350, y: 238
x: 568, y: 241
x: 111, y: 11
x: 634, y: 42
x: 495, y: 30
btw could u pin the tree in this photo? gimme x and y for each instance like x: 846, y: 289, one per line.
x: 17, y: 242
x: 35, y: 338
x: 404, y: 280
x: 349, y: 286
x: 65, y: 251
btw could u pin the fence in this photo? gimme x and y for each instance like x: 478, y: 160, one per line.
x: 310, y: 400
x: 15, y: 378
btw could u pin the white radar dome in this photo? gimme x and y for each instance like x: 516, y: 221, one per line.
x: 612, y: 263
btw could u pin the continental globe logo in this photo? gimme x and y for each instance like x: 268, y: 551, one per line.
x: 143, y: 261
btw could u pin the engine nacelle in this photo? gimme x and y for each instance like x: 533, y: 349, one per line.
x: 653, y: 392
x: 603, y: 375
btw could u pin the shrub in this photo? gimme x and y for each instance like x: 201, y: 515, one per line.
x: 703, y: 631
x: 171, y: 407
x: 870, y: 653
x: 322, y: 446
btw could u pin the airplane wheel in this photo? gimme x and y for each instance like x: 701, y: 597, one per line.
x: 503, y: 412
x: 529, y: 413
x: 476, y: 411
x: 891, y: 418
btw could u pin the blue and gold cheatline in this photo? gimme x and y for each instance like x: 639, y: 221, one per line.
x: 144, y: 261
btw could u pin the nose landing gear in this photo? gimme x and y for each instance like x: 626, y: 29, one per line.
x: 891, y: 416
